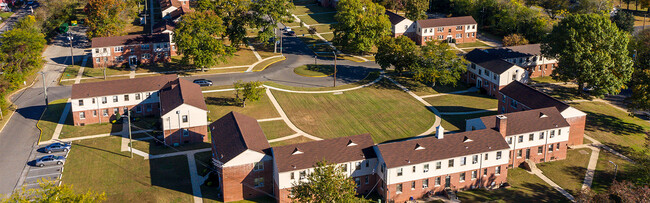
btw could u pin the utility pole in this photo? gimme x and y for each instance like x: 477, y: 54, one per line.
x: 275, y: 42
x: 71, y: 54
x: 44, y: 87
x: 315, y: 62
x: 281, y: 33
x: 128, y: 117
x: 334, y: 52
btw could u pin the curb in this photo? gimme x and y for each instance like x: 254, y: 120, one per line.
x: 39, y: 127
x: 267, y: 65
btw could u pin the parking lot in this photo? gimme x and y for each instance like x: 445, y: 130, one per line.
x: 47, y: 172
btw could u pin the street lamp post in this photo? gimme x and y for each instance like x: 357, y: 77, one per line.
x: 315, y: 62
x: 44, y: 87
x: 70, y: 38
x: 615, y: 168
x: 128, y: 117
x: 334, y: 52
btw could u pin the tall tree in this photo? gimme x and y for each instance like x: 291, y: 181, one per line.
x: 327, y: 183
x: 439, y: 64
x: 590, y: 51
x: 624, y: 21
x: 49, y: 192
x: 416, y: 9
x: 268, y: 13
x: 235, y: 15
x: 513, y: 40
x: 196, y: 39
x: 361, y: 23
x: 248, y: 91
x: 640, y: 85
x: 400, y: 52
x: 20, y: 51
x: 555, y: 7
x: 593, y: 6
x: 108, y: 17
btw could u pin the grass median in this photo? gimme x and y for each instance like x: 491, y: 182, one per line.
x: 311, y: 70
x: 465, y: 102
x: 570, y: 172
x: 50, y: 118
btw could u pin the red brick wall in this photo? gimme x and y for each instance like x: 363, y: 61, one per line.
x: 455, y: 184
x: 546, y: 70
x: 421, y: 40
x: 126, y: 53
x: 90, y: 119
x: 545, y: 156
x: 576, y: 130
x: 196, y: 134
x: 490, y: 88
x: 237, y: 182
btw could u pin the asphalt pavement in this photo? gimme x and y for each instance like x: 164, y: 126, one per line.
x: 34, y: 174
x: 9, y: 23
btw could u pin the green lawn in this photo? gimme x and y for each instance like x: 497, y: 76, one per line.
x: 570, y: 172
x: 296, y: 140
x: 69, y: 130
x: 614, y: 128
x: 422, y: 89
x: 330, y: 37
x: 309, y: 9
x: 561, y: 91
x: 99, y: 72
x: 244, y: 56
x: 322, y: 28
x: 312, y: 70
x: 322, y: 48
x: 275, y: 129
x: 98, y: 165
x: 50, y: 118
x: 153, y: 147
x: 265, y: 51
x: 377, y: 109
x: 101, y: 79
x: 323, y: 18
x: 472, y: 44
x: 5, y: 15
x: 149, y: 122
x: 526, y: 187
x: 221, y: 103
x: 545, y: 79
x: 604, y: 174
x: 457, y: 122
x: 463, y: 102
x: 70, y: 72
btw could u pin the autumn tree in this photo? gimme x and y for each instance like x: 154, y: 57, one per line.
x: 439, y: 64
x: 399, y: 53
x: 593, y: 6
x: 624, y: 21
x: 248, y: 91
x: 591, y: 51
x: 327, y: 183
x: 555, y: 7
x: 361, y: 23
x: 513, y: 40
x: 195, y: 36
x: 267, y: 15
x: 109, y: 17
x: 416, y: 9
x: 20, y: 52
x: 640, y: 85
x: 49, y: 192
x: 235, y: 15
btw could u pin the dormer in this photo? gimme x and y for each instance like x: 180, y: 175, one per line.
x: 418, y: 147
x: 296, y: 151
x: 350, y: 143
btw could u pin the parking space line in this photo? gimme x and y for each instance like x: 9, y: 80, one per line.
x: 36, y: 169
x: 38, y: 176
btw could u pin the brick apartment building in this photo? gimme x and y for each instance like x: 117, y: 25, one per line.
x: 178, y: 103
x: 169, y: 9
x: 488, y: 72
x: 131, y: 50
x: 518, y: 96
x: 527, y: 56
x: 539, y: 135
x: 454, y: 29
x: 401, y: 25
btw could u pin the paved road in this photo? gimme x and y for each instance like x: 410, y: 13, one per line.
x: 9, y: 23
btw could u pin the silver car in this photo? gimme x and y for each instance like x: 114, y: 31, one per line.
x: 57, y: 147
x: 49, y: 160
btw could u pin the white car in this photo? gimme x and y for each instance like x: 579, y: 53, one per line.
x: 287, y: 29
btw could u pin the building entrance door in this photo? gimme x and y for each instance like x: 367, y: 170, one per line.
x: 527, y: 153
x: 448, y: 181
x: 479, y: 82
x: 133, y: 60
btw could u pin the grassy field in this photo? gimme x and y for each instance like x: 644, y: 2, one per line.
x: 330, y: 37
x: 462, y: 102
x: 378, y: 110
x: 545, y: 79
x: 265, y: 51
x: 371, y: 77
x: 70, y: 72
x: 309, y: 9
x: 275, y: 129
x: 472, y: 44
x: 562, y: 92
x: 614, y: 127
x: 152, y: 147
x: 570, y: 172
x: 263, y: 65
x: 312, y: 70
x: 98, y: 165
x: 50, y: 118
x: 221, y: 103
x: 421, y: 89
x: 69, y: 130
x: 96, y: 80
x: 319, y: 18
x: 525, y: 188
x: 299, y: 139
x: 604, y: 174
x: 457, y: 122
x: 99, y: 72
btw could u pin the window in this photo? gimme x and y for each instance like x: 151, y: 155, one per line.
x: 498, y: 155
x: 383, y: 167
x: 302, y: 175
x: 473, y: 26
x: 149, y: 108
x: 144, y: 47
x: 81, y: 102
x: 513, y: 103
x: 105, y: 112
x: 559, y: 132
x: 467, y: 27
x: 137, y: 96
x: 186, y: 133
x: 259, y: 166
x: 126, y: 97
x: 558, y: 146
x: 114, y: 98
x: 82, y: 115
x: 93, y: 100
x: 116, y: 111
x: 131, y: 49
x: 440, y: 29
x: 118, y: 49
x: 519, y: 153
x: 550, y: 148
x: 125, y: 110
x: 398, y: 188
x: 406, y: 27
x: 425, y: 183
x: 426, y: 30
x: 367, y: 164
x: 475, y: 159
x: 413, y: 169
x: 459, y: 35
x: 497, y: 170
x: 485, y: 172
x: 438, y: 165
x: 440, y: 37
x: 148, y: 94
x: 103, y: 100
x: 138, y: 109
x: 292, y: 176
x: 540, y: 150
x: 531, y: 137
x: 357, y: 166
x: 184, y: 118
x: 473, y: 175
x: 460, y: 27
x: 520, y: 139
x: 437, y: 181
x: 462, y: 177
x: 399, y: 172
x: 541, y: 135
x: 146, y: 56
x: 463, y: 161
x: 95, y: 113
x: 552, y: 134
x: 259, y: 182
x: 509, y: 140
x: 345, y: 167
x: 357, y: 181
x: 98, y: 60
x: 451, y: 163
x: 367, y: 180
x: 480, y: 71
x: 413, y: 185
x: 119, y: 58
x: 487, y: 73
x: 426, y: 168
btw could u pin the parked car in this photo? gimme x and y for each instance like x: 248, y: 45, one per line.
x: 287, y: 29
x: 57, y: 147
x: 292, y: 33
x: 203, y: 82
x: 49, y: 160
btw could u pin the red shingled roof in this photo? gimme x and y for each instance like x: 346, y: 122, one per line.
x: 453, y: 21
x: 179, y: 92
x: 529, y: 121
x: 117, y: 87
x: 129, y: 40
x: 235, y: 133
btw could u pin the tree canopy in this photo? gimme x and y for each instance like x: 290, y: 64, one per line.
x: 624, y: 21
x: 327, y: 183
x: 49, y: 192
x: 196, y: 39
x: 361, y: 23
x: 248, y: 91
x: 416, y: 9
x: 109, y: 17
x: 513, y: 40
x: 591, y: 51
x: 640, y: 85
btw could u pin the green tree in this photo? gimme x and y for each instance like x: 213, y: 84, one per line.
x: 267, y: 15
x: 20, y: 51
x: 624, y: 21
x: 109, y: 17
x: 361, y: 23
x: 400, y: 52
x: 248, y: 91
x: 591, y: 51
x: 439, y: 64
x: 593, y: 6
x: 513, y: 40
x: 555, y: 7
x: 196, y: 39
x: 416, y: 9
x: 640, y: 85
x: 49, y: 192
x: 235, y: 15
x: 327, y: 183
x: 51, y: 14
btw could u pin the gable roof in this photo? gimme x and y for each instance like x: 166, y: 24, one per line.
x: 124, y: 86
x: 394, y: 17
x: 529, y: 121
x: 404, y: 153
x: 129, y: 40
x: 337, y: 150
x: 531, y: 97
x: 165, y: 4
x: 235, y: 133
x: 453, y: 21
x: 517, y: 51
x: 178, y: 92
x: 488, y: 61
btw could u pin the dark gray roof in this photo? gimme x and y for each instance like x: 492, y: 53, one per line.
x: 394, y: 18
x: 517, y: 51
x: 529, y: 121
x: 235, y: 133
x: 488, y: 61
x: 181, y: 91
x: 123, y: 86
x: 452, y: 21
x: 531, y: 97
x: 129, y: 40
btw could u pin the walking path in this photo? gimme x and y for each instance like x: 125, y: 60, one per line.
x: 59, y: 126
x: 286, y: 119
x: 80, y: 73
x: 269, y: 119
x: 326, y: 41
x: 591, y: 167
x: 538, y: 173
x: 195, y: 179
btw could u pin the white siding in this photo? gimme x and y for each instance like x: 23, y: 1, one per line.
x: 247, y: 157
x: 401, y: 27
x: 195, y: 117
x: 563, y: 137
x: 89, y: 105
x: 286, y: 182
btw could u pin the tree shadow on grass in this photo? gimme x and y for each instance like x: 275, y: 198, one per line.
x: 611, y: 124
x: 539, y: 193
x: 171, y: 173
x: 221, y: 101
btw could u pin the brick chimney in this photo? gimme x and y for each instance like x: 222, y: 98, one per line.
x: 502, y: 124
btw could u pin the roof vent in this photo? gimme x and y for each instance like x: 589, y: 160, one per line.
x: 418, y: 147
x: 296, y: 151
x: 293, y: 166
x: 466, y: 139
x: 408, y: 161
x: 466, y: 147
x: 350, y: 143
x: 542, y: 115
